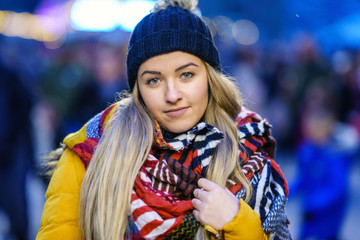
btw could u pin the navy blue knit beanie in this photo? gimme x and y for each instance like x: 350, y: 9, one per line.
x: 168, y: 30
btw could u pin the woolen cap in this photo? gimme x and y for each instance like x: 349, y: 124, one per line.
x: 168, y: 30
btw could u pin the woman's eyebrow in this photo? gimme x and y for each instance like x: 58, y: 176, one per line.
x: 185, y: 66
x: 151, y: 72
x: 176, y: 70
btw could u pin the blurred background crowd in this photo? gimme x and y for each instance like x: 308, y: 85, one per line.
x: 297, y: 63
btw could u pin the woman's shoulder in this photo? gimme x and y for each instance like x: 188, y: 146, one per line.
x: 93, y: 128
x: 84, y: 141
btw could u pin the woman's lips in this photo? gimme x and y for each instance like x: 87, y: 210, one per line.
x: 176, y: 112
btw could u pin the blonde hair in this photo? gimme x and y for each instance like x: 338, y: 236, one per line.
x: 105, y: 194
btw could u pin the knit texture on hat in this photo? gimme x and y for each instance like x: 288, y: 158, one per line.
x: 168, y: 30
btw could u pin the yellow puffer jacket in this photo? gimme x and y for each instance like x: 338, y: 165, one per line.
x: 60, y: 219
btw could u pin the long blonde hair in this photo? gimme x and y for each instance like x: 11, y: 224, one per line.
x: 105, y: 194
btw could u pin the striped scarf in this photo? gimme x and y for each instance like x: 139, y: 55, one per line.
x: 161, y: 200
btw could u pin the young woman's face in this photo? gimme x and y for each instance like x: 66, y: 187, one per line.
x: 174, y: 87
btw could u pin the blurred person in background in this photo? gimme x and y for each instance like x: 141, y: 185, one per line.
x: 61, y: 83
x: 308, y: 67
x: 80, y: 82
x: 278, y: 91
x: 16, y: 150
x: 179, y: 157
x: 325, y: 154
x: 107, y: 72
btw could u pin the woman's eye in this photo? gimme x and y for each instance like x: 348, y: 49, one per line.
x: 153, y: 81
x: 187, y: 75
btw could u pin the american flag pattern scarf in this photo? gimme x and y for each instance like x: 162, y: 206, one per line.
x: 161, y: 198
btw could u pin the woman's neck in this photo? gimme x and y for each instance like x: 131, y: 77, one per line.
x: 167, y: 134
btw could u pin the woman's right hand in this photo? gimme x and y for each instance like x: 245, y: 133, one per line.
x: 214, y: 206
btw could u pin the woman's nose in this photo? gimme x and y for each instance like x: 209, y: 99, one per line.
x: 172, y: 93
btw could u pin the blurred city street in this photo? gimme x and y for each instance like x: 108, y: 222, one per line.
x: 296, y: 62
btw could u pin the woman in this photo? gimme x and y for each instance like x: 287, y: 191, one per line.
x: 179, y: 158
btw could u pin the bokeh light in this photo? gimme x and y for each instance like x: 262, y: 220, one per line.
x: 26, y: 25
x: 224, y: 27
x: 245, y: 32
x: 131, y: 12
x: 95, y: 15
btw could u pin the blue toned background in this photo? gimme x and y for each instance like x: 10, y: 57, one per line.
x: 297, y: 63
